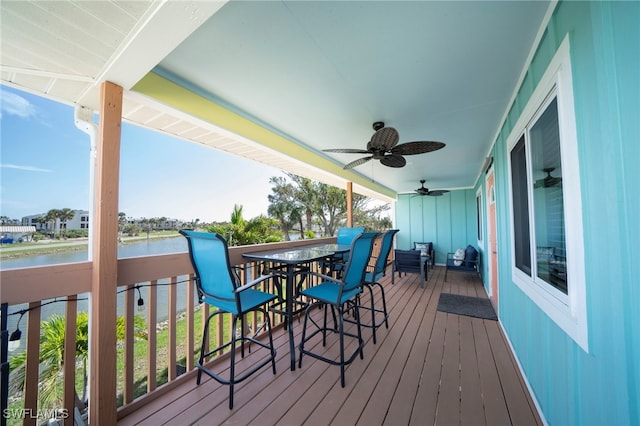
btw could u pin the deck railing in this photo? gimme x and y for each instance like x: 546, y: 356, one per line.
x: 164, y: 364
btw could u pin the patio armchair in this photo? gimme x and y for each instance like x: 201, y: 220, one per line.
x: 219, y: 287
x: 409, y: 261
x: 335, y: 293
x: 463, y: 260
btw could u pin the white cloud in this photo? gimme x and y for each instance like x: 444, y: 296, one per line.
x: 25, y: 168
x: 14, y: 104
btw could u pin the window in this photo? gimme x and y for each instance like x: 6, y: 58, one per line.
x: 479, y: 215
x: 548, y: 252
x: 520, y: 197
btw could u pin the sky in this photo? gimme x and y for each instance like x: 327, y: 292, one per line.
x: 44, y: 165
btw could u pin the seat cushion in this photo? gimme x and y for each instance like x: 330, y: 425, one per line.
x: 249, y: 299
x: 328, y: 292
x: 458, y: 257
x: 470, y: 256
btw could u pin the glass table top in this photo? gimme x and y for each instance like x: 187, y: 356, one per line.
x: 299, y: 254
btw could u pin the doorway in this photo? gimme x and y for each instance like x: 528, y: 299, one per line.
x: 492, y: 238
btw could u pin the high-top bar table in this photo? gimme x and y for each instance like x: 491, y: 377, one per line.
x: 292, y: 258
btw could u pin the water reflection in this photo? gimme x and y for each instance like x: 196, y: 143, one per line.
x: 133, y: 249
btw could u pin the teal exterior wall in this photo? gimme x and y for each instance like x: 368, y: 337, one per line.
x: 601, y: 386
x: 572, y: 386
x: 449, y: 221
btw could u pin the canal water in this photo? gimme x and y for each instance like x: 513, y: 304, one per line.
x: 130, y: 249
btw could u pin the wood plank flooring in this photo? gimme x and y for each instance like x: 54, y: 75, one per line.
x: 429, y: 367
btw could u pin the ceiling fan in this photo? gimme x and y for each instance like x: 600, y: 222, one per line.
x: 425, y: 191
x: 548, y: 181
x: 384, y: 146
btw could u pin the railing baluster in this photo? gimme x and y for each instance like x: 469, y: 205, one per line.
x: 152, y: 342
x: 129, y: 343
x: 190, y: 323
x: 69, y: 398
x: 33, y: 363
x: 172, y: 318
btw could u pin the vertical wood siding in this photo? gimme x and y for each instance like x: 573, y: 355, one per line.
x: 449, y: 221
x: 602, y: 386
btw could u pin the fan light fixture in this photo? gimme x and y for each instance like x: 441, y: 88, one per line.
x: 384, y: 146
x: 425, y: 191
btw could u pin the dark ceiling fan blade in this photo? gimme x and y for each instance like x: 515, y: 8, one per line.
x: 418, y: 147
x: 437, y: 192
x: 347, y: 151
x: 393, y: 160
x: 384, y: 139
x: 548, y: 181
x: 357, y: 162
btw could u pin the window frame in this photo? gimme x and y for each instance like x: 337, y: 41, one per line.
x: 479, y: 216
x: 568, y: 311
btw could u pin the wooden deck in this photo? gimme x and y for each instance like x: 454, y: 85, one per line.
x: 429, y: 367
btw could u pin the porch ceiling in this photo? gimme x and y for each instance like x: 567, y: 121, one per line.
x: 314, y: 74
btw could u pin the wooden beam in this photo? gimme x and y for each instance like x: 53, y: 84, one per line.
x: 102, y: 400
x: 350, y: 204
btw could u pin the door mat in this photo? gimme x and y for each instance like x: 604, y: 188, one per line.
x: 465, y: 305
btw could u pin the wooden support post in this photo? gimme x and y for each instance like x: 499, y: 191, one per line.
x: 102, y: 399
x: 350, y: 204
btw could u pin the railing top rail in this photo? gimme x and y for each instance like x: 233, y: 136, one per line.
x: 33, y: 284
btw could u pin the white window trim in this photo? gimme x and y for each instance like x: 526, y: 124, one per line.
x: 569, y: 311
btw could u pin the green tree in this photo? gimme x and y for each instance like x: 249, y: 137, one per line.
x: 236, y: 215
x: 284, y: 206
x: 324, y: 203
x: 65, y: 215
x: 52, y: 217
x: 260, y: 230
x: 41, y: 220
x: 306, y: 194
x: 52, y: 356
x: 330, y: 207
x: 370, y: 214
x: 239, y: 232
x: 146, y: 225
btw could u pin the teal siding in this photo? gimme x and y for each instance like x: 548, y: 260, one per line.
x: 449, y: 221
x: 572, y: 386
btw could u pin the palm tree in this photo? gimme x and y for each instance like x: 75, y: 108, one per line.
x: 65, y: 215
x: 52, y: 217
x: 41, y: 220
x: 258, y: 230
x: 236, y: 215
x: 52, y: 356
